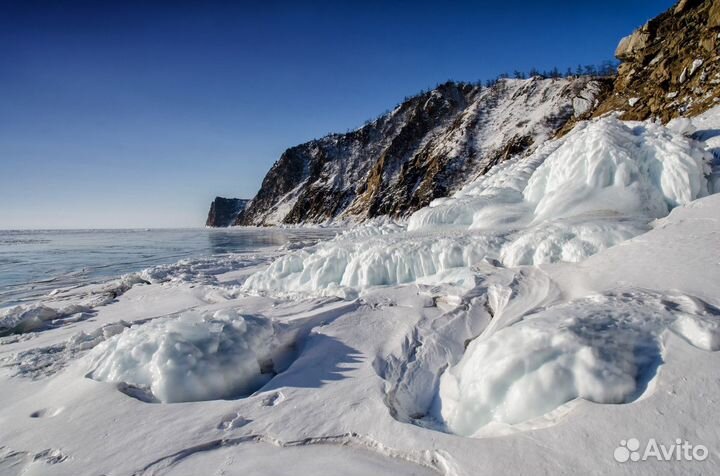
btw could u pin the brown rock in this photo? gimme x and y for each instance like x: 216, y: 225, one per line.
x: 714, y: 15
x: 629, y: 46
x: 658, y: 59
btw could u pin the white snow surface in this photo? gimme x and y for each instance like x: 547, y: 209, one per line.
x: 527, y: 325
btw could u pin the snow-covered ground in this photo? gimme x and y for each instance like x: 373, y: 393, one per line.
x: 535, y: 322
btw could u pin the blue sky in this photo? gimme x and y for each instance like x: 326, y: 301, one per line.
x: 137, y: 113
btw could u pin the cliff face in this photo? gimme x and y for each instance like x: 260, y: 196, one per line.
x: 225, y: 211
x: 670, y: 65
x: 426, y: 148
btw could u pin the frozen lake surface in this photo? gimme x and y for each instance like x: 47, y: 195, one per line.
x: 34, y: 262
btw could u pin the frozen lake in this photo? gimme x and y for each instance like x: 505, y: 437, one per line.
x: 34, y: 262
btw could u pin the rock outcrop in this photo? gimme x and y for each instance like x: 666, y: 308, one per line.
x: 670, y: 65
x: 427, y: 147
x: 225, y: 211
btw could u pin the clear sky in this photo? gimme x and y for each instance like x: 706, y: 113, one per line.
x: 137, y: 113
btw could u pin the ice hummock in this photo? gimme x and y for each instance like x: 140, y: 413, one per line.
x: 602, y: 348
x: 600, y: 185
x: 192, y: 357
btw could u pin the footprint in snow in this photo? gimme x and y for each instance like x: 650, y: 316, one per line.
x: 45, y: 412
x: 232, y: 421
x: 273, y: 399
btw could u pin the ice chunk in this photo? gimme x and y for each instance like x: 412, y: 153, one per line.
x: 568, y: 240
x: 192, y: 357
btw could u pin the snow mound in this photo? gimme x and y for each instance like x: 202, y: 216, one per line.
x: 603, y: 348
x: 612, y: 166
x: 604, y: 167
x: 192, y: 357
x: 600, y: 185
x: 30, y: 317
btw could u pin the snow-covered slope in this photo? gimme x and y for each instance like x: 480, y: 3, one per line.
x: 427, y: 147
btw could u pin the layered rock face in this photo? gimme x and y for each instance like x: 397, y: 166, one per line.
x: 427, y: 147
x: 670, y: 65
x: 225, y: 211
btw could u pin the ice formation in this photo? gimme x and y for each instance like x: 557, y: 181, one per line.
x: 602, y: 348
x: 602, y: 167
x: 31, y: 317
x: 192, y: 357
x: 203, y: 269
x: 600, y: 185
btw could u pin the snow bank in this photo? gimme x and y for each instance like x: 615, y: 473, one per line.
x: 602, y: 348
x: 600, y: 185
x: 340, y: 266
x: 703, y: 128
x: 30, y: 317
x: 190, y: 358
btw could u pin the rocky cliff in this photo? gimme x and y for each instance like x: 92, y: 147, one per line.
x: 435, y: 142
x: 225, y: 211
x: 427, y: 147
x: 670, y: 65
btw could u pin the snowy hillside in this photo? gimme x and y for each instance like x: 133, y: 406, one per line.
x: 557, y: 308
x: 427, y: 147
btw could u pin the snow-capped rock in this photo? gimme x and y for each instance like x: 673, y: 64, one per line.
x: 428, y: 147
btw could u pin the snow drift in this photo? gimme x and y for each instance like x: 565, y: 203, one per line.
x: 603, y: 348
x: 600, y: 185
x: 192, y: 357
